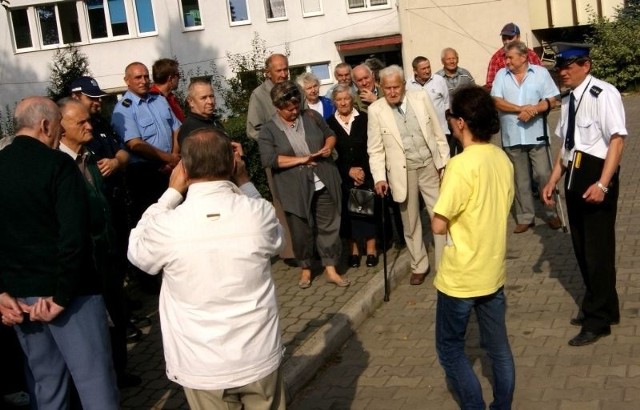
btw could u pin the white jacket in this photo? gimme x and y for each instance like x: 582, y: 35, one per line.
x: 218, y: 307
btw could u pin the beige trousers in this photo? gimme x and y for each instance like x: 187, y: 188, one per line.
x: 264, y: 394
x: 426, y: 182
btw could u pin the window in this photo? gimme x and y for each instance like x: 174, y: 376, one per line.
x: 311, y: 8
x: 321, y: 70
x: 58, y: 24
x: 275, y: 10
x: 238, y: 12
x: 190, y: 14
x: 107, y: 18
x: 144, y: 15
x: 364, y: 5
x: 21, y: 29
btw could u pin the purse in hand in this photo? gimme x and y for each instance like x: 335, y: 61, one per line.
x: 361, y: 202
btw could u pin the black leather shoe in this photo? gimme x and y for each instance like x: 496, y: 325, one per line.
x: 291, y: 262
x: 354, y: 261
x: 372, y: 260
x: 579, y: 321
x: 586, y: 338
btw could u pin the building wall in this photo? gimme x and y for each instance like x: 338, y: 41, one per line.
x: 473, y: 27
x: 308, y: 40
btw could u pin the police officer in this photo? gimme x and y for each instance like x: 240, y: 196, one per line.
x: 593, y: 122
x: 149, y: 129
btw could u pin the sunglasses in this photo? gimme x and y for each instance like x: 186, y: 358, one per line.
x: 290, y: 95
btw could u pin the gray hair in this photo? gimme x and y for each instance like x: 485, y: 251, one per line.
x: 448, y: 49
x: 391, y: 71
x: 341, y: 88
x: 31, y: 110
x: 6, y: 141
x: 519, y: 46
x: 285, y: 92
x: 361, y: 67
x: 307, y: 78
x: 341, y: 65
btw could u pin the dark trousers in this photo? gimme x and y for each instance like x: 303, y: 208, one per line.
x: 321, y: 233
x: 594, y: 243
x: 146, y: 186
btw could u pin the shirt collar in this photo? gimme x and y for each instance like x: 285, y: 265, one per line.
x: 74, y: 155
x: 579, y: 90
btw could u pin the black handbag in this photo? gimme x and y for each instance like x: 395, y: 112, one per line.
x: 361, y: 202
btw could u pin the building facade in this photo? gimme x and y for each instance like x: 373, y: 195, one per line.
x: 317, y: 34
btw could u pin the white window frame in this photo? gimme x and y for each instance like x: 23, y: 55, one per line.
x: 33, y: 31
x: 307, y: 68
x: 312, y: 13
x: 368, y: 7
x: 274, y: 19
x: 239, y: 23
x: 184, y: 28
x: 107, y: 16
x: 32, y: 14
x: 135, y: 18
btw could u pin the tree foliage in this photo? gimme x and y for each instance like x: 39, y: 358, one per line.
x: 616, y: 50
x: 68, y: 64
x: 248, y: 69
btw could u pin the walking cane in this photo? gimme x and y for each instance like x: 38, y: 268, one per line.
x: 556, y: 191
x: 384, y: 251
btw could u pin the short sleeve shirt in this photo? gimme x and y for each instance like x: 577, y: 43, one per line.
x: 536, y: 85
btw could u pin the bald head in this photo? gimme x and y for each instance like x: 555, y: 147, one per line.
x: 39, y: 118
x: 136, y: 76
x: 277, y: 68
x: 76, y: 123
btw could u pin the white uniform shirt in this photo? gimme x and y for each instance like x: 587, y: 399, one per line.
x: 597, y: 118
x: 218, y: 307
x: 438, y: 91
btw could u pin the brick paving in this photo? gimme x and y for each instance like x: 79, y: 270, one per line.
x: 389, y: 362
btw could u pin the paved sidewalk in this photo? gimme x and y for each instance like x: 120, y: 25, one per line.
x: 390, y: 361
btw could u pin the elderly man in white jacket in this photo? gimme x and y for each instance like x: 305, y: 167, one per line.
x: 218, y: 307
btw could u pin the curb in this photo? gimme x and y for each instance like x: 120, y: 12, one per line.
x: 305, y: 362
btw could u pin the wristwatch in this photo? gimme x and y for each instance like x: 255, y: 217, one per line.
x: 604, y: 188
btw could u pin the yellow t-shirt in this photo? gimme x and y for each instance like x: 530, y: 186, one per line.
x: 475, y: 196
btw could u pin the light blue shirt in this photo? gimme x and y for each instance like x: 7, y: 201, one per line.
x: 150, y: 119
x: 537, y: 85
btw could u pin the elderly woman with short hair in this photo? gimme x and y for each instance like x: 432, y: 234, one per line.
x: 350, y: 126
x: 311, y: 87
x: 297, y: 146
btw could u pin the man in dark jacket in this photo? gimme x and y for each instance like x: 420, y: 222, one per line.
x: 202, y: 105
x: 49, y: 288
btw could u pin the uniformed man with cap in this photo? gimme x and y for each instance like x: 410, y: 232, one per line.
x: 592, y: 122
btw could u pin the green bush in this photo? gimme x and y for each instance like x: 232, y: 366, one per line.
x: 236, y: 128
x: 68, y: 64
x: 616, y: 47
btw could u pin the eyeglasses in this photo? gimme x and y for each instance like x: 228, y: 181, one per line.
x: 450, y: 114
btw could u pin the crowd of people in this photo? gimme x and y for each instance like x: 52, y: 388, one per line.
x: 161, y: 191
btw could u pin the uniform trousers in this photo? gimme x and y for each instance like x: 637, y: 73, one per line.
x: 75, y: 343
x: 525, y: 158
x: 321, y: 233
x: 423, y: 181
x: 594, y: 244
x: 264, y: 394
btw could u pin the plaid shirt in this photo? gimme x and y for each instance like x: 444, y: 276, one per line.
x: 498, y: 61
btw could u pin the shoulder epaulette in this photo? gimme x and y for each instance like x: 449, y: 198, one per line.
x: 595, y: 91
x: 126, y: 102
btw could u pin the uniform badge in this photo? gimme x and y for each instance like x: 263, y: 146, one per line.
x: 126, y: 102
x: 595, y: 91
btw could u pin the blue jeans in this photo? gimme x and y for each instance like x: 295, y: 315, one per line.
x: 452, y: 317
x: 76, y: 344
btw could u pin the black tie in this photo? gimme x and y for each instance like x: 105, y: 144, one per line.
x: 569, y: 140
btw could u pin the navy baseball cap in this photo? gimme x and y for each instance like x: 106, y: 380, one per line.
x: 510, y: 30
x: 87, y: 86
x: 568, y: 53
